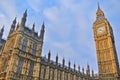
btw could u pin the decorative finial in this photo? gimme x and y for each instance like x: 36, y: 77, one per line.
x: 63, y: 62
x: 2, y: 28
x: 43, y: 26
x: 25, y: 14
x: 74, y: 66
x: 49, y: 54
x: 1, y: 32
x: 92, y: 73
x: 83, y: 71
x: 88, y: 66
x: 57, y: 59
x: 14, y: 21
x: 98, y: 6
x: 41, y: 37
x: 33, y: 28
x: 79, y: 68
x: 99, y: 9
x: 69, y: 63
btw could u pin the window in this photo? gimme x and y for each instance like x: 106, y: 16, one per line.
x: 19, y: 68
x: 24, y: 45
x: 34, y: 49
x: 31, y: 68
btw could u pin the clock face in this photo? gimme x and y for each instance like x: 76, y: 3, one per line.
x: 101, y: 30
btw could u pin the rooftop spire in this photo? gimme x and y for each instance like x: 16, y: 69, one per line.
x: 49, y: 55
x: 56, y: 59
x: 63, y: 62
x: 24, y: 18
x: 99, y: 14
x: 98, y: 7
x: 14, y: 21
x: 79, y: 68
x: 42, y: 32
x: 69, y: 64
x: 99, y: 11
x: 25, y: 14
x: 13, y: 26
x: 33, y: 27
x: 74, y: 67
x: 1, y: 32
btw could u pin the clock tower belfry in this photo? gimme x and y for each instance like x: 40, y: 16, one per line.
x: 108, y: 64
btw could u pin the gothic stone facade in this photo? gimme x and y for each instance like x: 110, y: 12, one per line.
x: 20, y: 55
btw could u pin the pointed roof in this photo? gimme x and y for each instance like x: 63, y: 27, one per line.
x: 25, y: 13
x: 99, y: 10
x: 2, y: 29
x: 57, y: 55
x: 33, y: 27
x: 79, y: 67
x: 99, y: 14
x: 49, y: 53
x: 14, y: 21
x: 43, y: 26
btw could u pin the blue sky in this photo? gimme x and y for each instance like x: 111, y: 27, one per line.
x: 69, y: 25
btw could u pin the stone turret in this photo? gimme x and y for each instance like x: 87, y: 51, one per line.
x: 12, y: 29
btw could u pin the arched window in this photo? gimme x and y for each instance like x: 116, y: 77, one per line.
x: 34, y: 49
x: 24, y: 45
x: 31, y: 68
x: 19, y: 67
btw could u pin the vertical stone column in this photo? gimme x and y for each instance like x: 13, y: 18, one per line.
x: 47, y: 73
x: 28, y: 46
x: 39, y: 50
x: 39, y: 70
x: 74, y: 76
x: 55, y: 74
x: 79, y: 78
x: 69, y: 76
x: 58, y: 72
x: 18, y: 41
x: 36, y: 71
x: 63, y: 75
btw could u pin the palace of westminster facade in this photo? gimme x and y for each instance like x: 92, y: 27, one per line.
x: 20, y: 55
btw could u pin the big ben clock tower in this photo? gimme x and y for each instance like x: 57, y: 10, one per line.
x: 105, y: 48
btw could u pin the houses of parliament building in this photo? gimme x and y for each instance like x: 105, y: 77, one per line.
x: 20, y: 55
